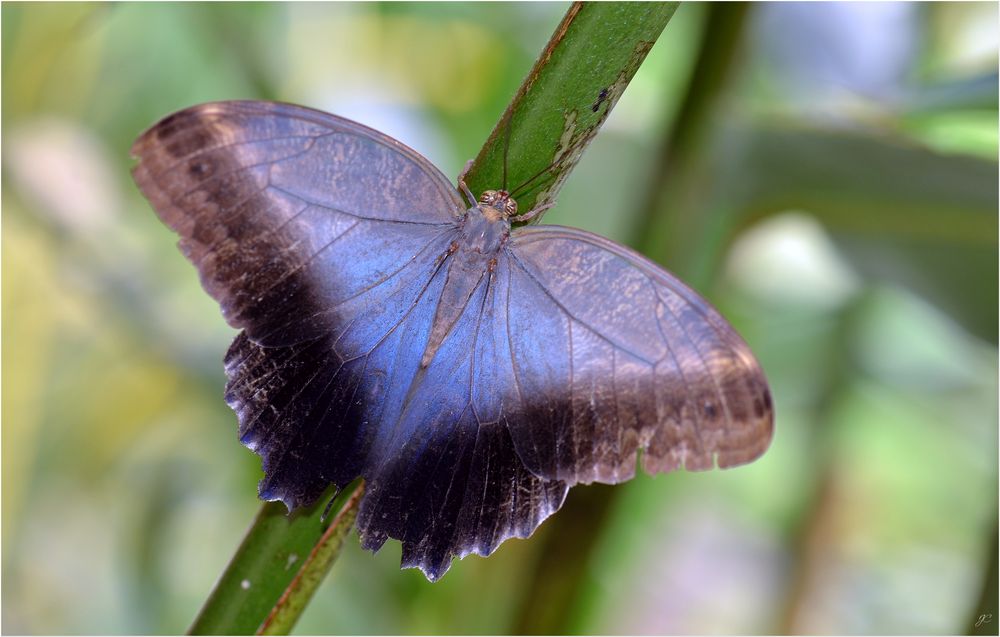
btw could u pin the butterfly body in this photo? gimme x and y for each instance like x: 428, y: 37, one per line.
x: 469, y: 263
x: 471, y: 373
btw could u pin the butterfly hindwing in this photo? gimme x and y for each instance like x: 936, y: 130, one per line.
x: 449, y: 481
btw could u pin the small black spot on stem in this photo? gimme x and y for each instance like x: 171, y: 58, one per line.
x: 600, y: 100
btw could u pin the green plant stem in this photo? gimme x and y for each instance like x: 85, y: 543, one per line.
x: 286, y: 612
x: 568, y: 94
x: 268, y: 562
x: 561, y: 572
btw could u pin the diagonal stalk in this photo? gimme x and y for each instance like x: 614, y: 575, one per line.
x: 567, y: 95
x: 293, y: 601
x: 565, y: 98
x: 277, y: 553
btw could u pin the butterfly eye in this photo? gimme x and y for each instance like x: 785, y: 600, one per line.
x: 488, y: 197
x: 511, y: 207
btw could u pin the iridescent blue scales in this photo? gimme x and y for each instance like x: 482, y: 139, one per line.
x: 470, y: 373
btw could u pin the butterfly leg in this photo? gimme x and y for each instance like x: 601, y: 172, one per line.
x: 463, y: 186
x: 531, y: 214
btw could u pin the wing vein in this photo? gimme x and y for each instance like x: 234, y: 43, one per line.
x: 209, y: 149
x: 327, y: 206
x: 572, y: 316
x: 708, y: 369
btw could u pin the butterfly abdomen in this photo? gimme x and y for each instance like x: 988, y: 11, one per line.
x: 468, y: 265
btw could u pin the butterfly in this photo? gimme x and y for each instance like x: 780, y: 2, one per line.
x: 470, y: 371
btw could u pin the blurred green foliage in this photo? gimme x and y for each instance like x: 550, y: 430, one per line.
x: 842, y: 212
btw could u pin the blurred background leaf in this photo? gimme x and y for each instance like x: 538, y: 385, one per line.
x: 828, y: 178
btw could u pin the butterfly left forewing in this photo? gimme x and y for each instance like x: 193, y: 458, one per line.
x: 288, y: 212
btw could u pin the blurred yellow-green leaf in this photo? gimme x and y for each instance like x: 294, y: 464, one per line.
x: 828, y: 178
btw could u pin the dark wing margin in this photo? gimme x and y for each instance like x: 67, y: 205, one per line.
x: 327, y: 243
x: 446, y: 479
x: 615, y: 359
x: 287, y: 211
x: 441, y: 470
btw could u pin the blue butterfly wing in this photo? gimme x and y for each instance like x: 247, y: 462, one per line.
x: 327, y: 243
x: 288, y: 213
x: 613, y: 361
x: 330, y: 246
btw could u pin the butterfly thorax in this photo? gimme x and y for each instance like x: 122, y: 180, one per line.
x: 484, y: 230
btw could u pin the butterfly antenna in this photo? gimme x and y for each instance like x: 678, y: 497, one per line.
x: 506, y: 147
x: 521, y: 188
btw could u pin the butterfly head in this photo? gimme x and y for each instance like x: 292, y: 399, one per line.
x: 499, y: 201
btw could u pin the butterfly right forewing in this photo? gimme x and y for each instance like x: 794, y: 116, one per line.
x: 635, y: 361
